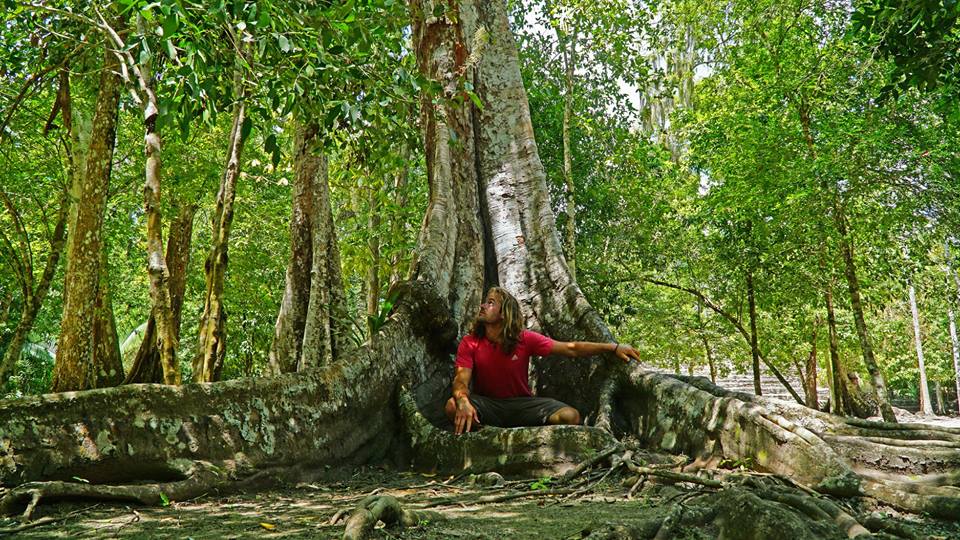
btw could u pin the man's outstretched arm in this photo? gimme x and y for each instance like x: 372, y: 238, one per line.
x: 572, y: 349
x: 466, y: 415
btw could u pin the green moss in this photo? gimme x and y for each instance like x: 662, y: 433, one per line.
x: 845, y: 484
x: 104, y: 445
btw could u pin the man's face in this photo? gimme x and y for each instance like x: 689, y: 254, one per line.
x: 490, y: 309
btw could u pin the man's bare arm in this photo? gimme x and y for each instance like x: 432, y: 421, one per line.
x: 461, y: 382
x: 466, y: 415
x: 572, y: 349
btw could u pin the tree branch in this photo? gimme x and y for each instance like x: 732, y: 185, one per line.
x: 736, y: 324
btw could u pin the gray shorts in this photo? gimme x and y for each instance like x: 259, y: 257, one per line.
x: 515, y: 412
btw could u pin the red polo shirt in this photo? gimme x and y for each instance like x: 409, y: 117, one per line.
x: 497, y: 374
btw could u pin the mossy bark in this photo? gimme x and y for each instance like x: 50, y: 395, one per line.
x: 78, y: 365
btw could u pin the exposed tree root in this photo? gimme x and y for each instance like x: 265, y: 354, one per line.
x: 46, y: 520
x: 832, y: 455
x: 386, y: 509
x: 199, y: 478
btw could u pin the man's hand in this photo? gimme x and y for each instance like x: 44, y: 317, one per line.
x: 466, y: 416
x: 626, y: 352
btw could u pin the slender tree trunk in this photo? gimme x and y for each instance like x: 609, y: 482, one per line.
x: 955, y: 348
x: 147, y: 367
x: 736, y: 324
x: 866, y: 344
x: 568, y: 43
x: 34, y: 301
x: 325, y: 329
x: 212, y: 336
x: 841, y: 400
x: 938, y: 392
x: 400, y: 200
x: 810, y: 379
x: 287, y: 343
x: 925, y: 405
x: 77, y: 366
x: 707, y: 350
x: 161, y: 314
x: 754, y: 345
x: 373, y: 272
x: 954, y: 342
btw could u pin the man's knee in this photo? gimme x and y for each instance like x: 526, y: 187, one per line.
x: 566, y: 415
x: 451, y: 409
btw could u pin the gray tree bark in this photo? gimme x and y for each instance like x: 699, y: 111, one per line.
x: 954, y: 342
x: 287, y: 343
x: 925, y: 405
x: 325, y: 329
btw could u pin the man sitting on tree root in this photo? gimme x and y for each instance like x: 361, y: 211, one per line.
x: 495, y: 355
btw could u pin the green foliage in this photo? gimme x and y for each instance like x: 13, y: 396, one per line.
x: 921, y: 38
x: 542, y: 483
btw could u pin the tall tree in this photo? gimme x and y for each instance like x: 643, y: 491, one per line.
x: 147, y: 366
x: 925, y: 405
x: 212, y: 336
x: 859, y: 317
x: 78, y: 365
x: 954, y: 342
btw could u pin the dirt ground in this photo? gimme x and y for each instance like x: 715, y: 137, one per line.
x: 305, y: 511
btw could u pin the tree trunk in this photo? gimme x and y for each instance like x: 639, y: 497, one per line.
x: 34, y: 301
x: 77, y: 365
x: 754, y: 346
x: 106, y: 342
x: 373, y: 272
x: 954, y: 342
x: 841, y: 399
x: 810, y: 379
x: 400, y: 200
x: 568, y: 45
x: 925, y: 405
x: 707, y: 351
x: 866, y: 344
x: 212, y: 336
x: 147, y: 367
x: 165, y: 335
x: 326, y: 327
x: 288, y: 332
x: 346, y: 413
x: 938, y: 392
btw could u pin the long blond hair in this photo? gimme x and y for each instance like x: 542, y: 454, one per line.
x: 512, y: 320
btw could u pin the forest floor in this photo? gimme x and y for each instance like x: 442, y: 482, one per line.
x: 307, y: 510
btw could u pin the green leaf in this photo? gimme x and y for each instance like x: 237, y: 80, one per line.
x: 171, y: 50
x: 170, y: 25
x: 475, y: 99
x: 164, y: 500
x: 284, y: 43
x: 246, y: 128
x: 270, y: 143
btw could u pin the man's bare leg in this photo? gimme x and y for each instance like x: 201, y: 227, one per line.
x: 566, y: 415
